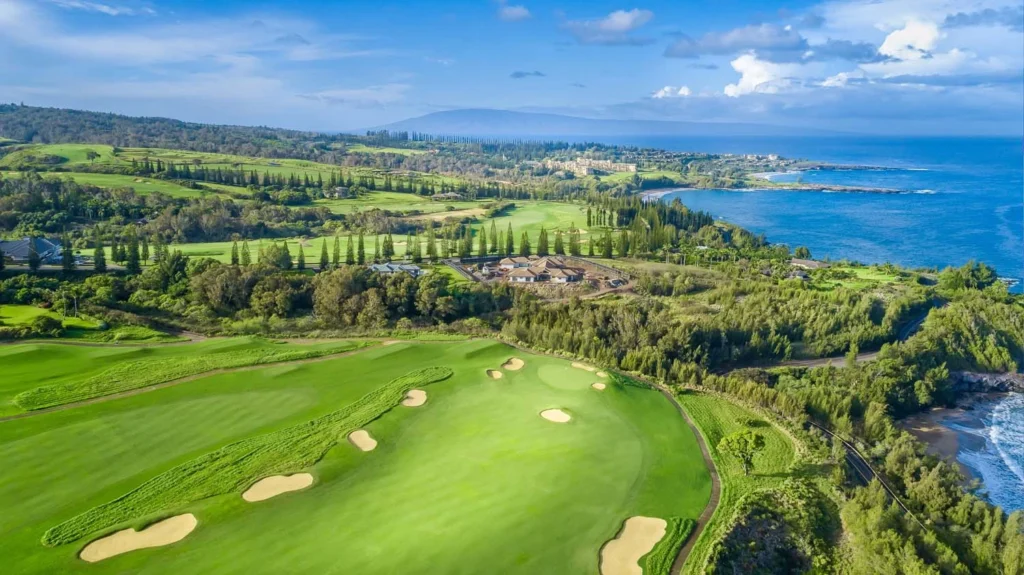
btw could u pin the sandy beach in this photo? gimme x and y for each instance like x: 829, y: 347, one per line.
x: 944, y: 430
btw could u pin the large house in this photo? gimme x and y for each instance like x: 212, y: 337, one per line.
x: 18, y: 250
x: 390, y: 268
x: 514, y: 262
x: 546, y: 269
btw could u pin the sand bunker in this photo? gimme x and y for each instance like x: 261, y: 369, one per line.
x: 578, y: 365
x: 276, y: 485
x: 602, y: 374
x: 513, y: 364
x: 156, y: 535
x: 494, y: 374
x: 415, y: 398
x: 361, y: 439
x: 555, y: 415
x: 598, y: 386
x: 639, y: 535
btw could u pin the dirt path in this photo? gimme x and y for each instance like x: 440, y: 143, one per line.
x: 189, y: 378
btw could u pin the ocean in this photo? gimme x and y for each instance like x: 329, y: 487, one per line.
x: 963, y: 201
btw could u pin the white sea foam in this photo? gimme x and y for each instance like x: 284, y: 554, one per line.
x: 1000, y: 464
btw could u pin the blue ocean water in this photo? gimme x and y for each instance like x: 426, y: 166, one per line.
x: 964, y: 200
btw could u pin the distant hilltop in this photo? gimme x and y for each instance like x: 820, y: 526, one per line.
x: 483, y: 122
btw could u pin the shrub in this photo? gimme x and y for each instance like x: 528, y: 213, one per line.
x: 659, y: 561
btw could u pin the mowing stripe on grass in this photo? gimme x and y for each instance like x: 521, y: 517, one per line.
x: 236, y: 466
x: 143, y: 373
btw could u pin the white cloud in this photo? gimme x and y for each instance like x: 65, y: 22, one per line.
x: 613, y: 29
x: 912, y: 42
x: 107, y: 9
x: 514, y: 13
x: 759, y: 76
x: 672, y: 92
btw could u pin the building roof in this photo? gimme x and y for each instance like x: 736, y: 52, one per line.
x: 808, y: 264
x: 522, y: 273
x: 20, y: 249
x: 514, y: 260
x: 390, y: 268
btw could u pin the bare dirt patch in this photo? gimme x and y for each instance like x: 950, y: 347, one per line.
x: 415, y: 398
x: 638, y: 536
x: 584, y: 366
x: 276, y: 485
x: 598, y: 386
x: 556, y: 415
x: 156, y: 535
x: 494, y: 374
x: 363, y: 440
x: 513, y: 364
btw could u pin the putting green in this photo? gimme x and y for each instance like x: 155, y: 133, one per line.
x: 473, y: 481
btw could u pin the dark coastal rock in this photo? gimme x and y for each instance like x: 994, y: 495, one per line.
x: 969, y: 382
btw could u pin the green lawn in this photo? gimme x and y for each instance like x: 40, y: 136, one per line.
x: 472, y: 482
x: 364, y: 149
x: 717, y: 417
x: 141, y: 185
x: 13, y: 315
x: 32, y: 365
x: 623, y: 177
x: 393, y: 202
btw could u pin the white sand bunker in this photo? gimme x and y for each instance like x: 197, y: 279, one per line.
x: 362, y: 439
x: 601, y: 374
x: 639, y: 535
x: 276, y: 485
x: 579, y: 365
x: 598, y: 386
x: 556, y: 415
x: 494, y: 374
x: 156, y: 535
x: 513, y: 364
x: 415, y: 398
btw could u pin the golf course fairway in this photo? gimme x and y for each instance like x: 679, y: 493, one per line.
x: 471, y: 481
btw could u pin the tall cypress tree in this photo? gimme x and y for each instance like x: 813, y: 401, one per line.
x: 589, y: 217
x: 132, y: 264
x: 524, y: 245
x: 99, y: 256
x: 431, y: 245
x: 337, y: 248
x: 246, y: 255
x: 324, y: 259
x: 559, y: 246
x: 417, y: 249
x: 67, y: 254
x: 350, y: 255
x: 361, y: 250
x: 145, y: 250
x: 542, y: 243
x: 510, y: 247
x: 608, y: 245
x: 34, y: 260
x: 302, y: 257
x: 376, y: 248
x: 494, y: 238
x: 234, y: 253
x: 482, y: 247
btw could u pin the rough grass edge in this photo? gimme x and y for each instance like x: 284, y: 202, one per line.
x: 660, y: 559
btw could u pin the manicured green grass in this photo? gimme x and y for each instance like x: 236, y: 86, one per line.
x: 14, y: 315
x: 364, y: 149
x: 141, y: 185
x: 866, y: 277
x: 31, y: 365
x: 472, y: 482
x: 145, y: 372
x: 392, y: 202
x: 623, y: 177
x: 717, y: 417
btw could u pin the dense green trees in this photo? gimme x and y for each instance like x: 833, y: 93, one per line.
x: 743, y: 445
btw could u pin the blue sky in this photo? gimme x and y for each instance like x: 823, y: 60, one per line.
x: 883, y: 66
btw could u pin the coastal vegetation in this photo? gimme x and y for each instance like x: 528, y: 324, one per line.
x: 794, y: 372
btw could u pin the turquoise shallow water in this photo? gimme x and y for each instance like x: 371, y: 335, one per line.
x: 964, y: 199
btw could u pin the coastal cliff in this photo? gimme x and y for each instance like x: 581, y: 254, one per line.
x: 970, y: 382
